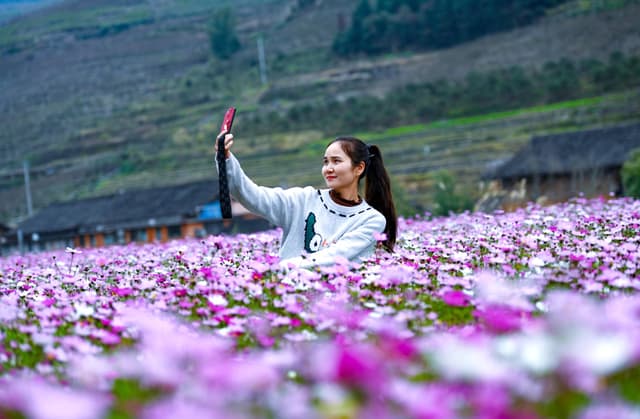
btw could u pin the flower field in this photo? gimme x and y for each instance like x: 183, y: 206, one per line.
x: 529, y: 314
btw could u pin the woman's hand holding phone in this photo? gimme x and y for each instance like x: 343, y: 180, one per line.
x: 225, y: 140
x: 225, y: 129
x: 228, y: 142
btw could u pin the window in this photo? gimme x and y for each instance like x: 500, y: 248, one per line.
x: 109, y: 238
x: 140, y: 235
x: 121, y: 236
x: 174, y: 232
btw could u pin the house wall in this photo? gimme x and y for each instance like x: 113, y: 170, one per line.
x: 164, y: 234
x: 151, y: 234
x: 560, y: 188
x: 247, y: 224
x: 589, y: 185
x: 192, y: 229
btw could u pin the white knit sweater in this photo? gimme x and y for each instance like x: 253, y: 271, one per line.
x: 315, y: 228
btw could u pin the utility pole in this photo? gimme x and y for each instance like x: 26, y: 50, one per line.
x: 21, y: 241
x: 262, y: 61
x: 27, y: 187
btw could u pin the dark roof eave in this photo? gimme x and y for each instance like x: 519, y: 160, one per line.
x: 607, y: 149
x: 520, y: 175
x: 132, y: 224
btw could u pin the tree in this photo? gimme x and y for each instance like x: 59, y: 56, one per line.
x: 379, y: 26
x: 630, y: 174
x: 305, y: 3
x: 390, y: 6
x: 446, y: 197
x: 350, y: 41
x: 560, y: 80
x: 222, y: 34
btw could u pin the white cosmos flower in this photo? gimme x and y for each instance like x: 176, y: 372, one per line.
x: 218, y: 300
x: 535, y: 352
x: 460, y: 360
x: 84, y: 309
x: 497, y: 290
x: 599, y: 353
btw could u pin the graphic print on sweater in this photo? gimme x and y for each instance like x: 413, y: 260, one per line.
x: 312, y: 240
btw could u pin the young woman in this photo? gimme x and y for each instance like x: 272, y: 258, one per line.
x: 320, y: 224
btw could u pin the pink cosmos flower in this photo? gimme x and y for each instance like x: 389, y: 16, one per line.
x: 380, y: 237
x: 47, y: 401
x: 122, y: 292
x: 501, y: 318
x: 455, y: 298
x: 178, y: 407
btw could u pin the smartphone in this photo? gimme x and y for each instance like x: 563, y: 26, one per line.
x: 227, y: 122
x: 225, y: 199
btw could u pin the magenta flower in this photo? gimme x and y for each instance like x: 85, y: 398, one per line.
x: 501, y: 318
x: 359, y: 366
x: 455, y: 298
x: 47, y: 401
x: 122, y: 292
x: 218, y: 327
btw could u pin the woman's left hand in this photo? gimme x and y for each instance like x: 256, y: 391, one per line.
x: 228, y: 142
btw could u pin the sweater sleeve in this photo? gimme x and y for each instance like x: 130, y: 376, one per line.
x: 350, y: 245
x: 274, y: 204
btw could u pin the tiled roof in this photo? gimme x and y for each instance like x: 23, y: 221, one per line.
x: 572, y: 152
x: 130, y: 207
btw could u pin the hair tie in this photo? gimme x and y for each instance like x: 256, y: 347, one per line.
x: 370, y: 154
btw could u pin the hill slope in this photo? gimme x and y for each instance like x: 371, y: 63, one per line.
x: 10, y: 9
x: 101, y: 95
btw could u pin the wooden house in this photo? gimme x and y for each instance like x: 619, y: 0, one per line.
x: 7, y: 236
x: 145, y: 215
x: 555, y: 168
x: 4, y: 229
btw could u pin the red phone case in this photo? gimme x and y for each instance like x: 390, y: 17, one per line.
x: 228, y: 120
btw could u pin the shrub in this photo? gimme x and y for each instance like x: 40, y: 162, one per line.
x: 447, y: 198
x: 630, y: 174
x: 222, y: 35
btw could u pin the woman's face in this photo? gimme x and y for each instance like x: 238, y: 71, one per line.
x: 338, y: 170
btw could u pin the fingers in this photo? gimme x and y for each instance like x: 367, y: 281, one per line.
x: 228, y: 142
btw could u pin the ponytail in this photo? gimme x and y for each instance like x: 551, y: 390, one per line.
x: 377, y: 183
x: 378, y: 194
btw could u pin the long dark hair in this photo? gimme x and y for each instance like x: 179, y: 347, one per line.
x: 377, y: 185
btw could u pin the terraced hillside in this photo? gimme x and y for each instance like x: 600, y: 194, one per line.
x: 467, y: 147
x: 103, y: 95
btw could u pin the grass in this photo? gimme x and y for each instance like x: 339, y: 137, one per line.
x: 78, y: 20
x: 66, y: 20
x: 464, y: 146
x: 481, y: 118
x: 467, y: 120
x: 583, y: 7
x: 464, y: 152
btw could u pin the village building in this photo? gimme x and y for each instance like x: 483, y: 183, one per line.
x: 7, y: 237
x: 4, y: 229
x: 142, y: 216
x: 555, y: 168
